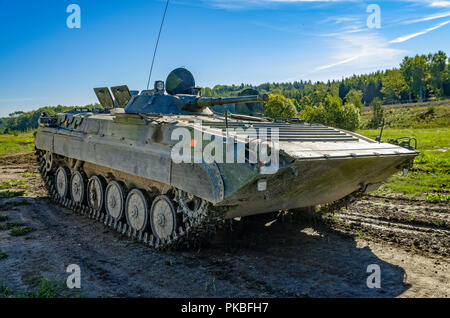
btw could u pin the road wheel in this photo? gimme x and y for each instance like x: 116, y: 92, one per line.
x: 49, y: 161
x: 78, y: 187
x: 163, y: 217
x: 62, y: 182
x: 115, y: 200
x: 136, y: 210
x: 96, y: 193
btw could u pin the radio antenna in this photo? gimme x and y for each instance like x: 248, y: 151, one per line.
x: 157, y: 42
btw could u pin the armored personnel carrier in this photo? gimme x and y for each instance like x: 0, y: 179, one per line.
x: 162, y: 168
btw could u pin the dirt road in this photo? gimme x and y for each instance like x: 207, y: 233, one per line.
x: 262, y: 257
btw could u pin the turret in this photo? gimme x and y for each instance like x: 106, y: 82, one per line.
x: 182, y: 97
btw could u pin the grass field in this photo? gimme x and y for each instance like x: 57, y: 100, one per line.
x: 22, y: 143
x: 430, y: 174
x: 413, y: 117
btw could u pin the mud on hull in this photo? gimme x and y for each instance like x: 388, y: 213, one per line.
x: 308, y: 183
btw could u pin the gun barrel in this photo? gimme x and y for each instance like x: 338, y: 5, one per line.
x: 197, y: 104
x: 208, y: 101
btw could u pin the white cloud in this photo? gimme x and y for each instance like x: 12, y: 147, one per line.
x: 241, y: 4
x: 342, y: 19
x: 346, y: 31
x: 348, y: 60
x: 432, y: 3
x: 363, y: 51
x: 430, y: 17
x: 235, y: 4
x: 440, y: 4
x: 413, y: 35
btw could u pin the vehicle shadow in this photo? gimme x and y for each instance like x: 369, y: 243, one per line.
x: 303, y: 257
x: 262, y: 256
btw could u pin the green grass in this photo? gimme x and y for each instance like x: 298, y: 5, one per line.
x: 29, y: 174
x: 437, y: 197
x: 5, y: 292
x: 22, y: 143
x: 38, y: 288
x: 430, y: 175
x: 414, y: 117
x: 10, y: 204
x: 11, y: 194
x: 3, y: 218
x: 10, y: 184
x: 16, y: 228
x: 3, y: 255
x: 44, y: 288
x: 21, y: 231
x: 10, y: 225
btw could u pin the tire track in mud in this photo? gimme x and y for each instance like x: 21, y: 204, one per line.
x: 386, y: 224
x: 415, y: 225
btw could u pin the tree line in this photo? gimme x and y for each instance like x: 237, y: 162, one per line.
x: 339, y: 103
x: 416, y: 79
x: 20, y: 121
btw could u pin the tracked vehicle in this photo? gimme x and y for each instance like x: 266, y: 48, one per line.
x: 118, y: 164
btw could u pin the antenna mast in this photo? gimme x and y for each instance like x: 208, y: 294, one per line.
x: 157, y: 42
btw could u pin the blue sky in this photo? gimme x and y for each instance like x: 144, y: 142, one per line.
x: 43, y: 62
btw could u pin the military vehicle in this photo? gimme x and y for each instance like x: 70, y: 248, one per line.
x: 117, y: 164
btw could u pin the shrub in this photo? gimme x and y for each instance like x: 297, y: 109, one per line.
x: 378, y: 114
x: 279, y: 106
x: 331, y: 112
x: 354, y: 97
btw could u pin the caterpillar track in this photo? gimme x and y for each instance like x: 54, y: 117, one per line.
x: 195, y: 226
